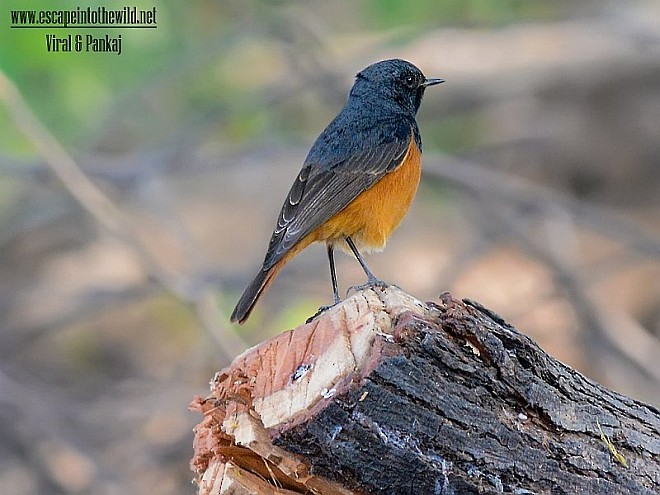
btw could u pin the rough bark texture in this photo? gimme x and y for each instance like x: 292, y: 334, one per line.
x: 385, y: 394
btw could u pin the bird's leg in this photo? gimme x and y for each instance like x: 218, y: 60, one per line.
x: 333, y: 276
x: 333, y: 273
x: 371, y: 278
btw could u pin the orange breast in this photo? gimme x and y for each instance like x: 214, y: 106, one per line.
x: 373, y: 215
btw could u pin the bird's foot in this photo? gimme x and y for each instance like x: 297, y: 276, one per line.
x: 372, y: 282
x: 322, y: 310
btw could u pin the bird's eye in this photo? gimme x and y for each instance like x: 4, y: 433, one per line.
x: 410, y: 81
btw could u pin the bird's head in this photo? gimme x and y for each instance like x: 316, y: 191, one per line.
x: 397, y: 80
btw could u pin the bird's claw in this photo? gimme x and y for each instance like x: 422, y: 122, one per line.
x: 320, y: 311
x: 370, y: 283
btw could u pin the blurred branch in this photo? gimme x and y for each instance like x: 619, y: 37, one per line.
x: 60, y: 162
x: 527, y: 195
x: 110, y: 217
x: 497, y: 191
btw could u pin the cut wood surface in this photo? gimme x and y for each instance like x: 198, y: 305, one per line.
x: 386, y: 394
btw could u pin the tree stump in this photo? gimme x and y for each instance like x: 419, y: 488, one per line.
x: 386, y: 394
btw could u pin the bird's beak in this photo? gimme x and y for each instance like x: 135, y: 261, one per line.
x: 432, y: 82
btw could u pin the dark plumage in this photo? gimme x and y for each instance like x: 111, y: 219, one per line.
x: 367, y: 140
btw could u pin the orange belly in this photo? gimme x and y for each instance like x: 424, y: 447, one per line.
x: 374, y: 214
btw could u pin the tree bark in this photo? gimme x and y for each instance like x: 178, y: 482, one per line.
x: 386, y: 394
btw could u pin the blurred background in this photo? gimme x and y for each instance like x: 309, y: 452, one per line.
x: 138, y: 200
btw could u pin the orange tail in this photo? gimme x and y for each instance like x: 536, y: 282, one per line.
x: 261, y: 282
x: 251, y: 295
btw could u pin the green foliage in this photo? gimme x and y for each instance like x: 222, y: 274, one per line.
x: 193, y: 64
x: 68, y: 89
x: 426, y: 13
x: 196, y: 62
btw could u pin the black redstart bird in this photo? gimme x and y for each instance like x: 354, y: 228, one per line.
x: 358, y: 180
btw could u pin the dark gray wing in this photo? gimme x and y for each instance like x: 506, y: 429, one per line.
x: 322, y: 190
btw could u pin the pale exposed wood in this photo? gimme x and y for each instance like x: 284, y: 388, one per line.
x: 386, y: 394
x: 282, y: 382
